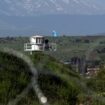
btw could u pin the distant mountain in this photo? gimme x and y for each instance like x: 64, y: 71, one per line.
x: 63, y: 24
x: 39, y: 7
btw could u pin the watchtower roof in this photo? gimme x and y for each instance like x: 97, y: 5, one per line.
x: 37, y: 36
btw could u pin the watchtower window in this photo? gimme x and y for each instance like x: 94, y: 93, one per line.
x: 39, y: 40
x: 36, y: 40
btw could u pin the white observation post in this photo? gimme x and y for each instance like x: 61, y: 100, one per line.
x: 39, y: 43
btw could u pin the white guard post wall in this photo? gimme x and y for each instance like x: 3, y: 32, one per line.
x: 36, y: 44
x: 39, y: 43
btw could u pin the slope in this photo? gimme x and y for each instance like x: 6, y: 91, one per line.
x: 59, y: 84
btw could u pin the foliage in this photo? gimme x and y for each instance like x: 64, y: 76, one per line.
x: 14, y: 77
x: 60, y: 84
x: 98, y: 83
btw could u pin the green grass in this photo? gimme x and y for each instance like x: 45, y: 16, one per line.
x: 14, y: 77
x: 60, y: 84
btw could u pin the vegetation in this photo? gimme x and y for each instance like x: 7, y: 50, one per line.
x: 98, y: 82
x: 59, y: 83
x: 14, y: 77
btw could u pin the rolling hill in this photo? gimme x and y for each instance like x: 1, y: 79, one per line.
x: 59, y: 84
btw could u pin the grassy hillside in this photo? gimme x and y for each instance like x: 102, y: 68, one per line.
x: 72, y: 90
x: 14, y: 77
x: 60, y: 84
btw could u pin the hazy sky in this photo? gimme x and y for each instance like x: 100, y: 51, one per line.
x: 72, y: 17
